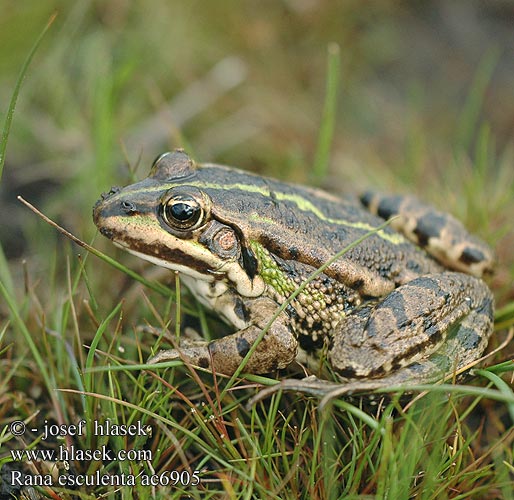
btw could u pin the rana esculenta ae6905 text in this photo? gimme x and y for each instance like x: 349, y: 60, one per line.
x: 405, y: 305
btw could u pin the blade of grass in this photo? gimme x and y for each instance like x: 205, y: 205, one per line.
x: 504, y: 317
x: 17, y: 87
x: 154, y: 285
x: 96, y: 340
x: 202, y: 444
x: 326, y: 131
x: 5, y: 273
x: 18, y: 321
x: 470, y: 114
x: 502, y: 386
x: 505, y: 367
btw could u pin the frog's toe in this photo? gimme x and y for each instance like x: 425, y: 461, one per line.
x: 197, y: 355
x: 164, y: 355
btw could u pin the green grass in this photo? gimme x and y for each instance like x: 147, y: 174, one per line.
x: 76, y: 329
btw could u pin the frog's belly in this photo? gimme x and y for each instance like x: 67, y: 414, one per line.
x: 217, y: 297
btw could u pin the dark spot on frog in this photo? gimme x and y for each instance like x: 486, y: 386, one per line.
x: 240, y: 309
x: 250, y: 263
x: 307, y: 342
x: 325, y: 280
x: 398, y: 310
x: 108, y: 233
x: 286, y: 257
x: 287, y: 266
x: 414, y: 266
x: 273, y: 365
x: 486, y: 307
x: 366, y: 198
x: 469, y: 338
x: 471, y: 256
x: 389, y: 206
x: 426, y: 283
x: 203, y: 362
x: 357, y: 284
x: 371, y: 329
x: 429, y: 226
x: 293, y: 253
x: 243, y: 346
x: 291, y: 312
x: 416, y: 368
x: 347, y: 372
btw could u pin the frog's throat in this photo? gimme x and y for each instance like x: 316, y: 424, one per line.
x: 228, y: 272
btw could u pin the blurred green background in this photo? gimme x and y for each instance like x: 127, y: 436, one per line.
x: 425, y: 101
x: 425, y: 105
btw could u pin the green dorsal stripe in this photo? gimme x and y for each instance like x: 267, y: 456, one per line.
x: 303, y: 204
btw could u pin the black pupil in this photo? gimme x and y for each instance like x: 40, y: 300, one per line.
x: 182, y: 211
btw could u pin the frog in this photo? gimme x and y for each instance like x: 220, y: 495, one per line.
x: 373, y: 288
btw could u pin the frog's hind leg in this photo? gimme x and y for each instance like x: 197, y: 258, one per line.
x: 429, y: 327
x: 440, y: 234
x: 455, y: 355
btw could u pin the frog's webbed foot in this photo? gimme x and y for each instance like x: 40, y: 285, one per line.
x: 440, y: 234
x: 276, y: 350
x: 309, y: 385
x: 433, y: 325
x: 327, y: 391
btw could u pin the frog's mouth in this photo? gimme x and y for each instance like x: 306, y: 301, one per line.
x: 174, y: 259
x: 144, y: 237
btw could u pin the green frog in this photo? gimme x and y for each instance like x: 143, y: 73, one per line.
x: 405, y: 305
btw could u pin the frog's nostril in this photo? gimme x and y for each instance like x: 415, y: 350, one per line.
x: 128, y: 207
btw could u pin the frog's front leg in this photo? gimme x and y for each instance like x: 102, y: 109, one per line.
x: 276, y: 350
x: 434, y: 324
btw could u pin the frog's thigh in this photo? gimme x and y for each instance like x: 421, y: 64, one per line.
x: 443, y: 236
x: 276, y: 350
x: 433, y: 323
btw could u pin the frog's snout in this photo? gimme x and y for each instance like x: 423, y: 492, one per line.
x: 102, y: 211
x: 99, y: 206
x: 106, y: 206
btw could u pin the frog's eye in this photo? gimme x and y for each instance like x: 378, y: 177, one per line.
x: 184, y: 210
